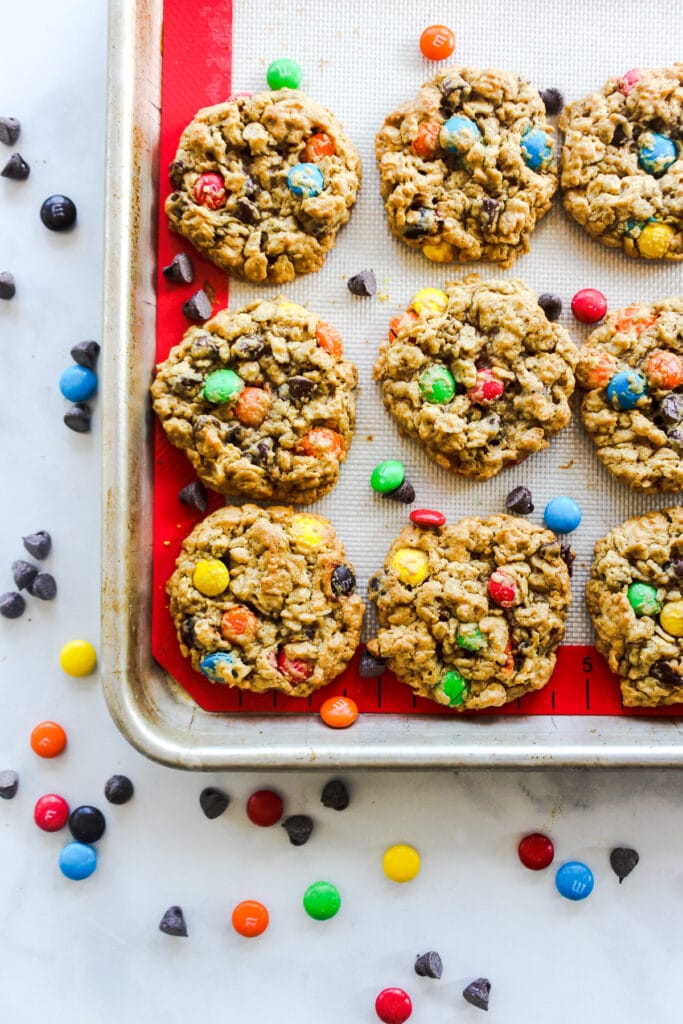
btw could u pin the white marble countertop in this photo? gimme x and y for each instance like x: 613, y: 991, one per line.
x: 92, y: 950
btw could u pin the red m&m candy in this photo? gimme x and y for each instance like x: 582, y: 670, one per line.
x: 427, y: 517
x: 502, y: 589
x: 264, y: 807
x: 627, y: 81
x: 51, y: 812
x: 589, y: 305
x: 536, y: 851
x: 487, y: 389
x: 393, y: 1006
x: 209, y: 191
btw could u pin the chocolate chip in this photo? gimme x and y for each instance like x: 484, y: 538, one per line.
x: 179, y: 270
x: 299, y: 387
x: 404, y: 493
x: 9, y: 784
x: 477, y: 993
x: 213, y: 801
x: 518, y: 502
x: 77, y: 417
x: 250, y: 188
x: 38, y: 544
x: 58, y: 213
x: 23, y: 573
x: 677, y: 566
x: 298, y: 827
x: 373, y: 584
x: 568, y: 557
x: 194, y: 496
x: 335, y: 795
x: 247, y: 211
x: 363, y: 284
x: 44, y: 587
x: 671, y: 408
x: 343, y: 581
x: 10, y: 129
x: 420, y: 222
x: 198, y: 306
x: 16, y: 168
x: 675, y: 438
x: 250, y: 346
x: 553, y: 101
x: 118, y: 789
x: 623, y: 860
x: 12, y: 605
x: 370, y: 667
x: 176, y: 169
x: 85, y: 353
x: 187, y: 630
x: 619, y: 137
x: 666, y: 673
x: 429, y: 965
x: 8, y: 288
x: 263, y: 452
x: 173, y: 923
x: 551, y: 306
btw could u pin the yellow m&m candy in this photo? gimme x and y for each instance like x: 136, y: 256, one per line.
x: 671, y: 618
x: 439, y: 252
x: 308, y: 532
x: 78, y: 658
x: 655, y: 240
x: 431, y: 299
x: 401, y: 863
x: 410, y: 565
x: 210, y: 577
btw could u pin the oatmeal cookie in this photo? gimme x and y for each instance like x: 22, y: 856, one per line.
x: 468, y: 167
x: 263, y: 183
x: 621, y: 169
x: 631, y: 369
x: 261, y: 401
x: 635, y: 598
x: 477, y: 374
x: 265, y: 599
x: 471, y: 614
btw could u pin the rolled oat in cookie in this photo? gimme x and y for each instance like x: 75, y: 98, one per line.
x: 471, y: 614
x: 621, y: 169
x: 477, y: 375
x: 261, y: 401
x: 264, y: 599
x: 635, y: 599
x: 631, y: 369
x: 263, y: 183
x: 468, y: 167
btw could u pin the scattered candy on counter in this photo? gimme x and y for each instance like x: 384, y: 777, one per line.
x: 428, y: 518
x: 437, y: 42
x: 179, y: 270
x: 622, y: 861
x: 51, y: 812
x: 305, y: 181
x: 589, y: 305
x: 401, y: 863
x: 429, y: 965
x: 335, y: 795
x: 364, y: 284
x: 322, y: 901
x: 283, y: 74
x: 85, y: 353
x: 574, y: 880
x: 551, y: 306
x: 265, y: 807
x: 213, y: 801
x: 87, y: 824
x: 643, y: 599
x: 48, y: 739
x: 393, y: 1006
x: 518, y: 502
x: 537, y: 149
x: 339, y: 712
x: 369, y: 666
x: 10, y: 130
x: 626, y: 389
x: 477, y: 993
x: 118, y: 789
x: 173, y: 922
x: 194, y: 496
x: 656, y: 153
x: 58, y: 213
x: 198, y: 307
x: 9, y: 784
x: 536, y: 851
x: 78, y: 658
x: 8, y: 288
x: 553, y: 101
x: 562, y: 515
x: 16, y: 168
x: 78, y: 418
x: 38, y: 544
x: 12, y: 605
x: 250, y: 918
x: 44, y: 586
x: 388, y: 478
x: 78, y: 861
x: 299, y: 828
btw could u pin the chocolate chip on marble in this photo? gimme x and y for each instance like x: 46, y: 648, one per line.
x: 23, y: 573
x: 10, y: 129
x: 8, y: 288
x: 299, y: 828
x: 363, y: 284
x: 9, y: 784
x: 173, y: 923
x: 44, y: 587
x: 179, y: 270
x: 477, y: 993
x: 518, y: 502
x: 12, y: 605
x: 213, y: 801
x: 370, y: 667
x: 335, y: 795
x: 568, y: 556
x: 85, y: 353
x: 404, y: 493
x: 551, y: 306
x: 198, y: 306
x: 553, y: 101
x: 38, y: 544
x: 194, y: 496
x: 118, y: 789
x: 16, y: 168
x: 78, y: 418
x: 429, y: 965
x: 623, y: 860
x: 666, y: 673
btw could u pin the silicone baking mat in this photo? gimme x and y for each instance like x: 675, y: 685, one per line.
x: 362, y: 60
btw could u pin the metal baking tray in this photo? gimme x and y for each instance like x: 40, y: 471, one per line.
x: 154, y: 714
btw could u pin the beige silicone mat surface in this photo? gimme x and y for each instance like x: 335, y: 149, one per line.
x: 362, y: 60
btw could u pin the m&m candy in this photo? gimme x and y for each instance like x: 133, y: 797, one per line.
x: 437, y: 42
x: 643, y: 599
x: 427, y: 517
x: 387, y: 476
x: 439, y: 252
x: 51, y: 812
x: 537, y: 149
x: 401, y: 863
x: 250, y: 918
x: 656, y: 153
x: 48, y: 739
x: 562, y: 515
x: 78, y: 861
x: 308, y: 532
x: 329, y: 339
x: 210, y: 577
x: 487, y: 389
x: 502, y: 589
x: 470, y: 637
x: 454, y: 687
x: 78, y: 383
x: 437, y: 384
x: 252, y: 405
x: 318, y: 146
x: 339, y: 712
x: 654, y: 241
x: 589, y: 305
x: 627, y: 81
x: 458, y: 134
x: 536, y: 851
x: 222, y: 386
x: 410, y: 565
x: 219, y: 667
x: 574, y: 880
x: 209, y: 191
x: 431, y: 300
x: 78, y: 658
x: 87, y: 824
x: 671, y: 618
x: 393, y: 1006
x: 626, y: 389
x: 264, y: 807
x: 283, y: 74
x: 665, y: 369
x: 322, y: 901
x: 305, y: 180
x: 321, y: 442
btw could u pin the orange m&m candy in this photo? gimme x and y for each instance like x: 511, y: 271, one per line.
x: 339, y: 712
x: 637, y: 317
x: 48, y: 739
x: 239, y: 624
x: 251, y: 408
x: 321, y: 441
x: 665, y: 369
x: 329, y: 339
x: 427, y: 139
x: 318, y: 146
x: 437, y: 42
x: 401, y: 318
x: 250, y: 918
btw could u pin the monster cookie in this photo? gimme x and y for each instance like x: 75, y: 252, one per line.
x: 261, y: 402
x: 265, y: 599
x: 621, y: 168
x: 635, y: 598
x: 631, y: 368
x: 468, y: 167
x: 263, y: 183
x: 477, y: 374
x: 471, y: 614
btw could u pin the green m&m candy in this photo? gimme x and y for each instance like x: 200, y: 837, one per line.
x: 322, y: 900
x: 471, y: 637
x: 387, y: 476
x: 222, y: 386
x: 643, y: 599
x: 437, y: 384
x: 454, y: 687
x: 283, y: 74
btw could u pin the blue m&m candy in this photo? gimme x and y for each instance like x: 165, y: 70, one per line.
x: 537, y: 149
x: 78, y: 861
x: 218, y: 667
x: 78, y: 383
x: 305, y: 180
x: 562, y: 515
x: 459, y: 134
x: 574, y: 880
x: 656, y: 153
x: 625, y: 389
